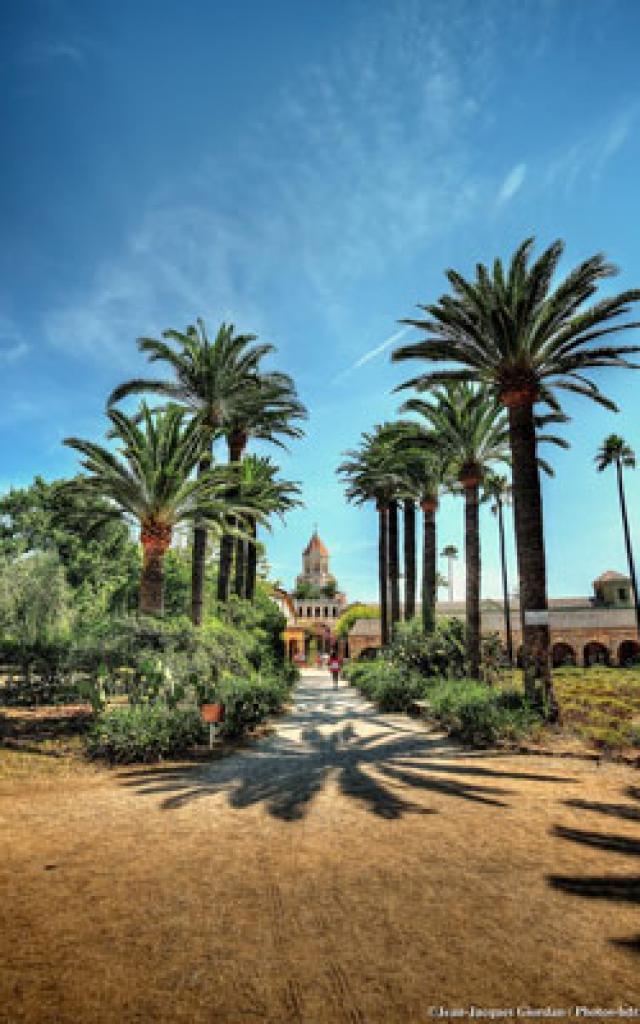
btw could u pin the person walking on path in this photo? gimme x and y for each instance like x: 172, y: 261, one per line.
x: 335, y: 664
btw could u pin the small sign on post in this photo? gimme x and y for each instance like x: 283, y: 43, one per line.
x: 536, y: 618
x: 213, y: 716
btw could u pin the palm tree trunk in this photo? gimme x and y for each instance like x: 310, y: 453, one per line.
x: 236, y: 446
x: 198, y: 558
x: 409, y: 558
x: 473, y: 570
x: 224, y: 564
x: 394, y: 560
x: 252, y: 562
x: 627, y: 541
x: 429, y: 565
x: 152, y: 600
x: 529, y: 529
x: 241, y: 563
x: 382, y: 573
x: 505, y: 585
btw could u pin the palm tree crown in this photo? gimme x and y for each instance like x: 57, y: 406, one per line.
x: 512, y: 332
x: 150, y: 483
x: 615, y: 450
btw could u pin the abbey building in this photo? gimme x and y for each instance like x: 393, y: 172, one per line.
x: 315, y: 604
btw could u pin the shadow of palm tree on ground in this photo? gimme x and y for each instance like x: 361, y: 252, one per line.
x: 604, y: 887
x: 383, y: 769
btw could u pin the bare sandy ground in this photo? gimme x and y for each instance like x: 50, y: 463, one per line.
x: 352, y: 867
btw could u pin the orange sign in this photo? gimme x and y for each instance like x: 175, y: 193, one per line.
x: 212, y: 713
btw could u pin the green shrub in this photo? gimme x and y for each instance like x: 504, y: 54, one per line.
x: 248, y: 702
x: 480, y: 715
x: 441, y: 653
x: 391, y: 687
x: 144, y: 733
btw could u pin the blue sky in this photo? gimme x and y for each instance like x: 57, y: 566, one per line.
x: 306, y: 171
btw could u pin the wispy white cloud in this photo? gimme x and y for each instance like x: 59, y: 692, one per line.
x: 12, y: 346
x: 13, y: 353
x: 55, y: 50
x: 512, y: 183
x: 589, y: 156
x: 377, y: 168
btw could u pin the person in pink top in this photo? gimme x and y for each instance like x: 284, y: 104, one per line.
x: 335, y: 664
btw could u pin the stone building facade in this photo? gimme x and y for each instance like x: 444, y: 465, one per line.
x: 315, y: 604
x: 584, y: 630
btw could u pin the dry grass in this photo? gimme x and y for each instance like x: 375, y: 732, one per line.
x: 599, y: 706
x: 353, y: 868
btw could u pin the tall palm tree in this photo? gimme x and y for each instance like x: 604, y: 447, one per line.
x: 372, y: 474
x: 498, y: 490
x: 266, y: 412
x: 409, y: 545
x: 524, y: 339
x: 211, y: 379
x: 614, y: 451
x: 149, y: 482
x: 258, y: 484
x: 424, y: 472
x: 467, y: 424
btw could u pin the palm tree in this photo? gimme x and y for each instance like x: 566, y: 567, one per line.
x: 257, y: 483
x: 523, y: 339
x: 266, y: 412
x: 211, y: 380
x: 149, y: 482
x: 372, y: 474
x: 424, y: 473
x: 409, y: 541
x: 467, y: 424
x: 614, y: 451
x: 498, y: 489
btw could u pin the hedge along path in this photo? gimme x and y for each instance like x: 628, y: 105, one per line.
x: 351, y: 867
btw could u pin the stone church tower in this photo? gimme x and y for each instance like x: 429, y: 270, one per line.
x: 315, y: 564
x: 316, y: 594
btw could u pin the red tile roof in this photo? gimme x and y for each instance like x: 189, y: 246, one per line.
x: 612, y: 577
x: 315, y: 544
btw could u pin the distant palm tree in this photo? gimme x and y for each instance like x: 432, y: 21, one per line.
x: 372, y: 473
x: 524, y: 340
x: 266, y: 412
x: 467, y: 424
x: 258, y: 484
x: 149, y: 483
x: 498, y: 489
x: 424, y: 472
x: 614, y: 451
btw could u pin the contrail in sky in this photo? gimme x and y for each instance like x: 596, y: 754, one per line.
x: 372, y: 353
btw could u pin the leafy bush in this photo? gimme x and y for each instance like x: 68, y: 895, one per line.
x: 352, y: 614
x: 144, y: 733
x: 480, y: 715
x: 441, y: 653
x: 248, y: 702
x: 391, y: 687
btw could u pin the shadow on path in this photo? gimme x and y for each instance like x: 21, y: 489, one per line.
x: 616, y: 888
x: 381, y: 762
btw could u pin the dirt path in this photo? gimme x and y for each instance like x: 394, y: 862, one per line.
x: 351, y: 868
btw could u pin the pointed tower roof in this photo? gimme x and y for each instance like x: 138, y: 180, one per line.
x: 315, y: 544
